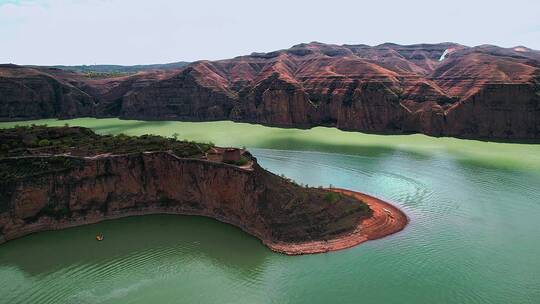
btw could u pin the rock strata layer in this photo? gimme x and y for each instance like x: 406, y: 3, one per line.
x: 47, y: 192
x: 442, y: 89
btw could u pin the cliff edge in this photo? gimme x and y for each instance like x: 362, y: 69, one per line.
x: 54, y: 178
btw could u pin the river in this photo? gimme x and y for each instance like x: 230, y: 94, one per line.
x: 473, y: 236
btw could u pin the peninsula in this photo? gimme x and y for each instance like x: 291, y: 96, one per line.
x: 59, y: 177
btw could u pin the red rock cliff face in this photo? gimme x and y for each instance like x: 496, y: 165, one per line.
x: 497, y: 111
x: 182, y: 96
x: 27, y: 93
x: 93, y: 189
x: 276, y: 102
x: 473, y: 92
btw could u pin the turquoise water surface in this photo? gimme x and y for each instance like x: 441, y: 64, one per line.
x: 474, y: 235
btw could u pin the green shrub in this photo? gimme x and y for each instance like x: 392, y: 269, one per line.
x: 332, y: 197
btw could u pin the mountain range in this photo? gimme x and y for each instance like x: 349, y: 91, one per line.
x: 444, y: 89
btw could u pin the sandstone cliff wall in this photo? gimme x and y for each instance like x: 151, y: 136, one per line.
x: 29, y: 94
x: 475, y: 92
x: 94, y: 189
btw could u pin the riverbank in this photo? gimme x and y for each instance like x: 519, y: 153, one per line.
x: 379, y: 225
x: 386, y: 220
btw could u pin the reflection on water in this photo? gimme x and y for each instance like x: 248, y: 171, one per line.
x: 183, y: 234
x: 137, y: 252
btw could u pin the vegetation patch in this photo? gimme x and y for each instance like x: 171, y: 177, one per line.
x: 43, y: 140
x: 33, y: 150
x: 112, y: 74
x: 241, y: 162
x: 332, y: 197
x: 33, y: 166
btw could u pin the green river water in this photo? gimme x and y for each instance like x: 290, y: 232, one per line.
x: 474, y: 235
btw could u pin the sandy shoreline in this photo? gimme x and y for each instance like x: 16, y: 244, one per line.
x: 381, y: 224
x: 387, y: 219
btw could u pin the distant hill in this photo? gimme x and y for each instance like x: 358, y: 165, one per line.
x: 108, y: 68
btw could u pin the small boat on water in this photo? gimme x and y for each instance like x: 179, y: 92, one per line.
x: 99, y: 237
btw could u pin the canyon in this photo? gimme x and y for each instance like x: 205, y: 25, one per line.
x: 446, y: 89
x: 48, y: 184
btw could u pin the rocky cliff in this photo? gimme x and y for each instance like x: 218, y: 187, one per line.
x: 44, y: 191
x: 442, y: 89
x: 27, y: 93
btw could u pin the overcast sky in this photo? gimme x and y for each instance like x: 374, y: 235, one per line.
x: 48, y: 32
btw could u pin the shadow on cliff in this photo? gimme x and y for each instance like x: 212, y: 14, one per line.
x: 162, y: 239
